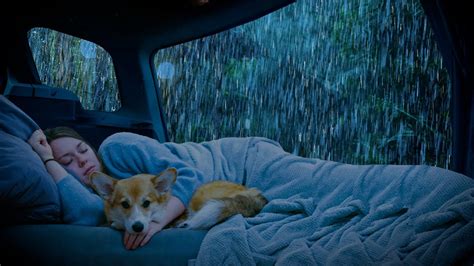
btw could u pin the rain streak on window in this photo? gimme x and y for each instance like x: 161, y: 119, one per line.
x: 354, y: 81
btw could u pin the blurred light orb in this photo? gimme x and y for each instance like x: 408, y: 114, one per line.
x: 165, y: 70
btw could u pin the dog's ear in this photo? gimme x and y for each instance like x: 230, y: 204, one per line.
x: 165, y: 180
x: 102, y: 184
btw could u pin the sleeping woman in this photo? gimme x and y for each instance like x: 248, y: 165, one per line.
x: 69, y: 159
x: 319, y: 211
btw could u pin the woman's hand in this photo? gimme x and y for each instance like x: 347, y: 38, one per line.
x: 133, y: 241
x: 40, y: 145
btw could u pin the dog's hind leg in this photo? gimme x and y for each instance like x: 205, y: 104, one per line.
x: 206, y: 217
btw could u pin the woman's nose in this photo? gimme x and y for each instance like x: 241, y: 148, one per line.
x: 82, y: 160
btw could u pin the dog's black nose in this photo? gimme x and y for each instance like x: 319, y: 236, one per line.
x: 137, y: 227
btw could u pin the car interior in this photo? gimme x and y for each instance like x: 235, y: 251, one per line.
x: 33, y: 233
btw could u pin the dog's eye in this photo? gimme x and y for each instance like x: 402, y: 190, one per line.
x: 125, y: 205
x: 146, y: 203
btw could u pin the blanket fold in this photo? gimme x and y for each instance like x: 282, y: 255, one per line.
x: 326, y: 213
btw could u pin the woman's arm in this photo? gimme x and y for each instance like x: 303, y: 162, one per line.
x: 41, y: 146
x: 174, y: 209
x: 125, y: 154
x: 79, y: 205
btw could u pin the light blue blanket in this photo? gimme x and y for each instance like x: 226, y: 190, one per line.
x: 327, y: 213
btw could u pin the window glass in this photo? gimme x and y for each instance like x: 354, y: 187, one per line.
x: 355, y: 81
x: 77, y: 65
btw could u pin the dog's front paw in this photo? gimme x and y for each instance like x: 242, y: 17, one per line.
x: 196, y: 224
x: 183, y: 225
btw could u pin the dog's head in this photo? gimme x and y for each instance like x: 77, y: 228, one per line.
x: 132, y: 203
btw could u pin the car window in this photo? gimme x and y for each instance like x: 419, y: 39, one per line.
x: 352, y: 81
x: 78, y: 65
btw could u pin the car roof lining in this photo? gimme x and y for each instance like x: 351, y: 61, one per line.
x: 158, y: 27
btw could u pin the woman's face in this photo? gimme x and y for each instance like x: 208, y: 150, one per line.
x: 76, y: 156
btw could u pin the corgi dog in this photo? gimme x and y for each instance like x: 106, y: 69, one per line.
x: 132, y: 203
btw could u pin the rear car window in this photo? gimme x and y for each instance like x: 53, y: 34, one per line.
x: 352, y: 81
x: 78, y: 65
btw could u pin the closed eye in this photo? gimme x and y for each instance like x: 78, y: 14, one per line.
x: 82, y: 148
x: 65, y: 163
